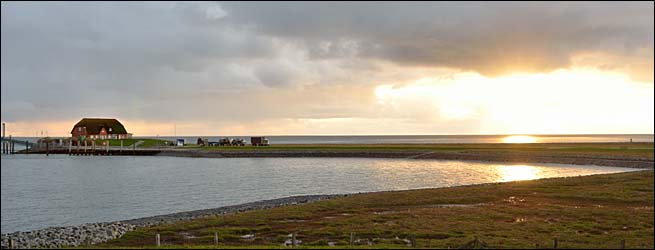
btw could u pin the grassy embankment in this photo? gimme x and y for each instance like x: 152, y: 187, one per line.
x: 581, y: 212
x: 130, y: 142
x: 644, y: 150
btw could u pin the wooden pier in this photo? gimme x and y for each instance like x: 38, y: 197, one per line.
x: 90, y: 151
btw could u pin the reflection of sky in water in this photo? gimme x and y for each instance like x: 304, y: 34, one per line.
x: 39, y: 191
x: 518, y: 173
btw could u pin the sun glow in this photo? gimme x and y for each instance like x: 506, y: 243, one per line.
x: 519, y: 139
x: 559, y: 102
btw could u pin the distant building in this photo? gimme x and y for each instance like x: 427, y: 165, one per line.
x: 259, y: 141
x: 99, y: 128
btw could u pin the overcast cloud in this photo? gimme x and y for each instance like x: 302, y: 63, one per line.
x: 248, y: 62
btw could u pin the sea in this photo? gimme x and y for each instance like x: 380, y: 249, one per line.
x: 412, y: 139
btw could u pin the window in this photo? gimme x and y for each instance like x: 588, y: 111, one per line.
x: 79, y: 129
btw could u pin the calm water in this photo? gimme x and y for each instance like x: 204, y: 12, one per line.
x: 382, y: 139
x: 40, y: 191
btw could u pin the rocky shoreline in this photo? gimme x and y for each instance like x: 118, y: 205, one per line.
x: 96, y: 233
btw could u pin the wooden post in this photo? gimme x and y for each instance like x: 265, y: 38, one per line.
x: 157, y: 239
x: 121, y: 151
x: 352, y: 238
x: 47, y: 148
x: 85, y: 145
x: 293, y: 239
x: 11, y: 145
x: 216, y: 238
x: 27, y: 147
x: 93, y: 146
x: 413, y: 241
x: 107, y: 147
x: 623, y: 241
x: 70, y: 146
x: 555, y: 243
x: 134, y: 148
x: 12, y: 244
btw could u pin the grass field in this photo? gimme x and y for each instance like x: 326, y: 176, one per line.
x: 129, y: 142
x: 605, y: 149
x: 581, y: 212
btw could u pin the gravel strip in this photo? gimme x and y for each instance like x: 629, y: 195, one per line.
x: 96, y: 233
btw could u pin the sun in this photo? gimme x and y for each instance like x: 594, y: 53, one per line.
x: 519, y: 139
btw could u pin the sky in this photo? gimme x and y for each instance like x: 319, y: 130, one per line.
x: 329, y: 68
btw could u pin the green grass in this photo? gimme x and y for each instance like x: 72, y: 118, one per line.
x: 130, y: 142
x: 117, y: 142
x: 154, y: 143
x: 582, y: 212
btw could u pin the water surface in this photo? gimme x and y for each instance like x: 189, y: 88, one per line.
x: 40, y: 191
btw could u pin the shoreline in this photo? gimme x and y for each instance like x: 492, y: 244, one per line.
x: 504, y: 156
x: 629, y: 155
x: 94, y: 233
x: 101, y: 232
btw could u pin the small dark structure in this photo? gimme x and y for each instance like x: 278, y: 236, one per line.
x: 259, y: 141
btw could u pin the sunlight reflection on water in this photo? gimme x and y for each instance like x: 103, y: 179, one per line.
x: 40, y: 191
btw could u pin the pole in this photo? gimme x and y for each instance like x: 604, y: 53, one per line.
x: 352, y: 238
x: 157, y: 239
x: 27, y: 147
x: 121, y: 152
x: 555, y: 243
x: 3, y: 138
x: 216, y: 238
x: 47, y: 148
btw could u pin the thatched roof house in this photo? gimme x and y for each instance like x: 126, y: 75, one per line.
x: 99, y: 128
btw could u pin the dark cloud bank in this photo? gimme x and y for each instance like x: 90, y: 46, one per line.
x: 162, y: 61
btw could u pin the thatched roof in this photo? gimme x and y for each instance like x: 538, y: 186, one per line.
x: 94, y: 125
